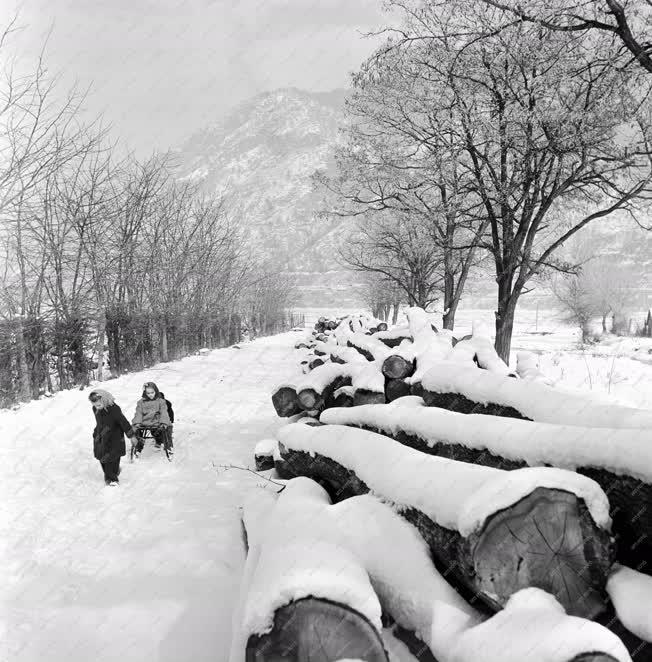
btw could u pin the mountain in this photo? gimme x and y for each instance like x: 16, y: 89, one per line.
x: 261, y: 157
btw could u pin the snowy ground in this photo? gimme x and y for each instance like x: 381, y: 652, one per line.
x: 149, y: 571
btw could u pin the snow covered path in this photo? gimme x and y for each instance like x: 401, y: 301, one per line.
x: 148, y: 571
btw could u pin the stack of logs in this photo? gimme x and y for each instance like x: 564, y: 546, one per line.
x: 546, y: 539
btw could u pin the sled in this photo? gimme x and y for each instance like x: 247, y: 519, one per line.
x: 145, y: 433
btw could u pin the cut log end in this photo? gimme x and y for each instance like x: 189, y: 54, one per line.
x: 320, y: 631
x: 264, y: 462
x: 285, y: 402
x: 308, y: 399
x: 397, y: 367
x: 547, y: 540
x: 594, y: 657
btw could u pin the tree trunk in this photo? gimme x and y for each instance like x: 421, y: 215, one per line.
x: 395, y: 313
x: 604, y: 322
x: 505, y: 326
x: 164, y: 342
x: 99, y: 343
x: 450, y: 304
x: 24, y: 390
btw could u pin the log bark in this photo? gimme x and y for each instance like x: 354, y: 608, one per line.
x: 315, y: 363
x: 341, y: 400
x: 547, y: 540
x: 394, y: 342
x: 462, y: 405
x: 629, y: 498
x: 363, y: 396
x: 397, y: 367
x: 362, y: 350
x: 396, y: 388
x: 285, y: 402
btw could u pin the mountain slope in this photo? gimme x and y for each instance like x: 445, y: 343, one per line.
x: 262, y: 157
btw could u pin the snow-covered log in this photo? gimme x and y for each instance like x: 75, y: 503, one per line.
x: 343, y: 397
x: 470, y: 390
x: 341, y: 354
x: 320, y: 630
x: 393, y: 337
x: 371, y: 349
x: 264, y: 454
x: 428, y: 347
x: 284, y: 398
x: 480, y: 350
x: 316, y: 362
x: 368, y: 385
x: 304, y: 595
x: 396, y: 388
x: 315, y: 388
x: 620, y: 461
x: 527, y: 368
x: 467, y: 513
x: 315, y: 391
x: 396, y: 366
x: 408, y: 587
x: 533, y: 627
x: 631, y: 595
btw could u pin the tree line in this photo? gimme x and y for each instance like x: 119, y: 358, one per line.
x: 485, y: 134
x: 109, y: 263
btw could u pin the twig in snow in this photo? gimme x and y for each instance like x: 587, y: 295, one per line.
x: 588, y: 370
x: 226, y: 467
x: 611, y: 373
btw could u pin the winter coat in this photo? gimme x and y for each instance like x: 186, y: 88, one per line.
x: 168, y: 404
x: 151, y: 412
x: 108, y: 435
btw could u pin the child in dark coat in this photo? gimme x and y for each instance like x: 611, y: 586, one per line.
x: 108, y: 435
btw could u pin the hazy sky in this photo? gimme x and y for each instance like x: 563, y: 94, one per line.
x: 161, y: 69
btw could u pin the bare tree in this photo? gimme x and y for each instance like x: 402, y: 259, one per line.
x: 399, y: 249
x: 578, y: 302
x: 551, y: 139
x: 39, y: 135
x: 394, y: 166
x: 629, y: 21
